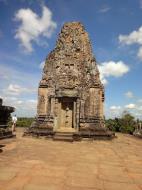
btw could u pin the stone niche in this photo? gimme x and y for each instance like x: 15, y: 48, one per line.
x: 70, y: 94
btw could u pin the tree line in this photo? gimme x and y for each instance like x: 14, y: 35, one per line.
x: 22, y: 122
x: 125, y: 124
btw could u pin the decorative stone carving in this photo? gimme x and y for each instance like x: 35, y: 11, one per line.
x: 75, y: 93
x: 42, y: 100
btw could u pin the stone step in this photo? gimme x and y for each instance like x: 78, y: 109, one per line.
x: 63, y: 136
x: 64, y: 133
x: 7, y: 136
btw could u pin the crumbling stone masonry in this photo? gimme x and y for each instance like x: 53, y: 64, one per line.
x: 70, y: 94
x: 5, y: 112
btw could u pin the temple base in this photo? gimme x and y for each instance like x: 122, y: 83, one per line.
x: 92, y: 132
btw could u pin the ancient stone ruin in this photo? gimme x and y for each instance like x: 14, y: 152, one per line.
x: 5, y: 112
x: 70, y: 94
x: 138, y: 130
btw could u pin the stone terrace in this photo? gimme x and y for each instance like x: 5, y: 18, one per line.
x: 39, y: 164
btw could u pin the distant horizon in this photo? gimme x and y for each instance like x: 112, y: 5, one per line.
x: 29, y: 30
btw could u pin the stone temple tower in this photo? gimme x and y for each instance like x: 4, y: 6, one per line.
x: 70, y: 93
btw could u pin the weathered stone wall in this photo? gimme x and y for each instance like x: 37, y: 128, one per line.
x: 5, y: 112
x: 71, y: 71
x: 42, y: 101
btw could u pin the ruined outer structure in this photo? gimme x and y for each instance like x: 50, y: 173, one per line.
x: 70, y: 94
x: 138, y: 129
x: 5, y: 112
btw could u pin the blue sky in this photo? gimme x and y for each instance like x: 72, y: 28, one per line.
x: 29, y: 30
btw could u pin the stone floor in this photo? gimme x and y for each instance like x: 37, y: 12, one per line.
x: 39, y: 164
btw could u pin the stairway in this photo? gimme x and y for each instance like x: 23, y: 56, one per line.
x: 63, y: 136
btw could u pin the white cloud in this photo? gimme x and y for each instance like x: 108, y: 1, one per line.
x: 140, y: 108
x: 134, y: 37
x: 129, y: 94
x: 31, y: 104
x: 114, y: 111
x: 19, y: 89
x: 23, y: 107
x: 104, y: 9
x: 26, y: 108
x: 103, y: 80
x: 42, y: 65
x: 134, y: 108
x: 130, y: 106
x: 11, y: 75
x: 14, y: 89
x: 19, y: 102
x: 140, y: 101
x: 112, y: 69
x: 32, y: 26
x: 115, y: 107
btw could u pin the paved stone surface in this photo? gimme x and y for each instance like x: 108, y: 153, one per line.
x: 39, y: 164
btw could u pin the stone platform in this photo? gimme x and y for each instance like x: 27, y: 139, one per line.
x: 70, y: 135
x: 39, y: 164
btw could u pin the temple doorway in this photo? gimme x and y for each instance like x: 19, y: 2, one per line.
x: 66, y: 115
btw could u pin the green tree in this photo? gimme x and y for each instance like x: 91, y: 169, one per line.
x: 113, y: 124
x: 22, y: 122
x: 125, y: 124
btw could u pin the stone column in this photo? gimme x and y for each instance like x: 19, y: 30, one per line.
x: 42, y: 101
x: 56, y: 111
x: 77, y: 113
x: 59, y: 115
x: 101, y: 104
x: 52, y: 106
x: 82, y: 114
x: 74, y: 115
x: 56, y: 107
